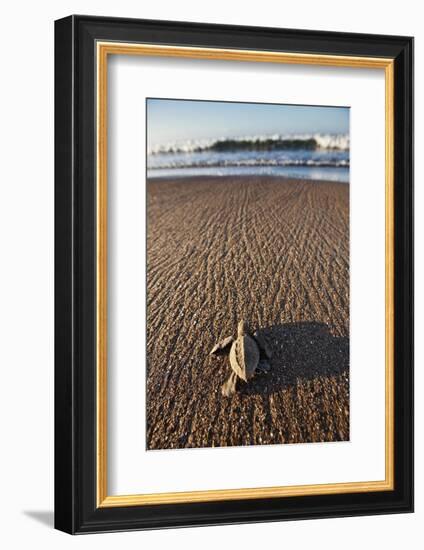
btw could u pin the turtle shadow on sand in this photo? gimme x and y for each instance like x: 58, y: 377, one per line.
x: 299, y: 351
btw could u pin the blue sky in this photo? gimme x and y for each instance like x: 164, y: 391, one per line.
x: 180, y: 120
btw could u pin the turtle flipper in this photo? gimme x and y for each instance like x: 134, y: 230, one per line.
x: 263, y: 344
x: 223, y: 346
x: 229, y: 387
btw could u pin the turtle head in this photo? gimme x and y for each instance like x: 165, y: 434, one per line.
x: 242, y: 328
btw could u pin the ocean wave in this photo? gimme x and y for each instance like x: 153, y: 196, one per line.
x: 276, y: 142
x: 328, y: 163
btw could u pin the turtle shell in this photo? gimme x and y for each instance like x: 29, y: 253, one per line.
x: 244, y: 357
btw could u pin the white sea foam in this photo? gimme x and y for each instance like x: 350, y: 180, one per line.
x: 212, y: 163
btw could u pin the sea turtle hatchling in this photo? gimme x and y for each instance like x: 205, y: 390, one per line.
x: 249, y: 354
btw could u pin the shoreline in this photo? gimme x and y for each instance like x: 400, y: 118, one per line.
x: 240, y: 176
x: 201, y: 178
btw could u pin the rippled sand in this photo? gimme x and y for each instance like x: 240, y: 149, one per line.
x: 274, y: 252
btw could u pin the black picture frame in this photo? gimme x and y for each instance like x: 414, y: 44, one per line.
x: 76, y: 508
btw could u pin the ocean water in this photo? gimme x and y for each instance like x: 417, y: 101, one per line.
x: 312, y: 156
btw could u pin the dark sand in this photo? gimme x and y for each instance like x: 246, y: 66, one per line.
x: 276, y: 253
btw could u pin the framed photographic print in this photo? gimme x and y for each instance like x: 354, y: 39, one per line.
x: 233, y: 228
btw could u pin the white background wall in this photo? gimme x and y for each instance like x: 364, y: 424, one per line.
x: 26, y: 272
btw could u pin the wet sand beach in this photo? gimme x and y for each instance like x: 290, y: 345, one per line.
x: 274, y: 252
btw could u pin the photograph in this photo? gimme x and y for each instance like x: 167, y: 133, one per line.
x: 233, y: 265
x: 247, y: 274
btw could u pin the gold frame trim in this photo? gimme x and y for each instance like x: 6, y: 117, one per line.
x: 119, y: 48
